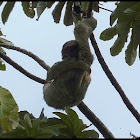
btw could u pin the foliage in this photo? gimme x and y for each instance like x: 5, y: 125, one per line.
x: 30, y: 7
x: 14, y: 124
x: 8, y: 110
x: 127, y: 15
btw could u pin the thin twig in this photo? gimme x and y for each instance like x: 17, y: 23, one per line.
x: 96, y: 121
x: 22, y: 70
x: 28, y: 53
x: 113, y: 80
x: 105, y: 9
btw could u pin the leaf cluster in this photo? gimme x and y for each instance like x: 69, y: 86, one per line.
x: 32, y: 7
x: 127, y: 17
x: 14, y: 124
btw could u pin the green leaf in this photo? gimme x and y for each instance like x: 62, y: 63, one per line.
x: 41, y: 6
x: 6, y: 11
x: 67, y: 122
x: 5, y: 41
x: 68, y: 19
x: 15, y: 133
x: 22, y: 114
x: 84, y: 6
x: 123, y: 26
x: 131, y: 51
x: 64, y: 118
x: 89, y: 134
x: 9, y: 117
x: 81, y: 127
x: 49, y: 129
x: 29, y: 12
x: 133, y: 8
x: 130, y: 54
x: 135, y: 37
x: 122, y: 6
x: 56, y: 13
x: 73, y: 117
x: 108, y: 33
x: 27, y: 120
x: 117, y: 47
x: 35, y: 127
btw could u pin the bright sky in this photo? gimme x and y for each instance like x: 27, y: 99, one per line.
x: 45, y: 39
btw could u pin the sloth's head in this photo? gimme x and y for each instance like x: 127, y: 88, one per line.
x: 70, y: 49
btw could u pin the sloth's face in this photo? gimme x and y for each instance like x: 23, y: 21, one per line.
x: 70, y: 49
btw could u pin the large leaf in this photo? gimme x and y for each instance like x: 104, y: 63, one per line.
x: 65, y: 119
x: 117, y: 47
x: 73, y: 117
x: 108, y: 33
x: 27, y: 9
x: 41, y: 6
x: 130, y: 54
x: 128, y: 16
x: 56, y: 13
x: 9, y: 117
x: 122, y: 6
x: 68, y: 19
x: 6, y: 11
x: 131, y: 51
x: 123, y: 26
x: 85, y: 6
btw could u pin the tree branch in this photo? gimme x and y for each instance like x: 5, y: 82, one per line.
x: 22, y: 70
x: 28, y: 53
x: 96, y: 121
x: 113, y: 80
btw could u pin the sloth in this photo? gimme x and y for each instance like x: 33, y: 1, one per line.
x: 68, y: 80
